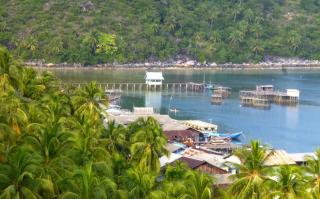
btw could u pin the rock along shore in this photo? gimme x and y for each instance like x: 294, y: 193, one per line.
x: 277, y: 63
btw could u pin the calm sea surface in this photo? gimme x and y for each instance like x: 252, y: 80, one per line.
x: 296, y: 129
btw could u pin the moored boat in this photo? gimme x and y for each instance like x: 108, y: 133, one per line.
x: 232, y: 136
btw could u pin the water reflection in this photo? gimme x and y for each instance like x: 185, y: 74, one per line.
x: 153, y: 99
x: 292, y: 117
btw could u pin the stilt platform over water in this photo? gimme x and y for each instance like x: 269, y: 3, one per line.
x: 188, y: 86
x: 264, y: 95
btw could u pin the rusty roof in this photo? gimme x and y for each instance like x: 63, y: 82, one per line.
x: 192, y: 163
x: 188, y: 133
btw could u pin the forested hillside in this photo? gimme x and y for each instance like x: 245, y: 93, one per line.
x: 100, y: 31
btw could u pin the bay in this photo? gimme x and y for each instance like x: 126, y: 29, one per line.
x: 296, y: 129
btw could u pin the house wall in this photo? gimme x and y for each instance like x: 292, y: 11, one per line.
x: 154, y: 82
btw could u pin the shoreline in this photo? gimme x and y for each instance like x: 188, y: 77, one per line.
x: 238, y: 67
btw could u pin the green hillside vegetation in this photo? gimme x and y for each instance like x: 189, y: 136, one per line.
x: 96, y: 31
x: 53, y: 144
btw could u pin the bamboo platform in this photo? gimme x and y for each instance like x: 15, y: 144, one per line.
x: 264, y: 97
x: 221, y: 90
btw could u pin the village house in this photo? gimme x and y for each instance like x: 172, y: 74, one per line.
x: 188, y: 136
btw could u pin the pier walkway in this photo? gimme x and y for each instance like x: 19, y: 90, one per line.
x: 189, y: 86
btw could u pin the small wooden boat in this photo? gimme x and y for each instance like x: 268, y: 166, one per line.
x: 174, y: 110
x: 233, y: 136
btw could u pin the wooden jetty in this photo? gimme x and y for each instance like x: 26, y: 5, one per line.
x: 264, y: 95
x: 188, y: 86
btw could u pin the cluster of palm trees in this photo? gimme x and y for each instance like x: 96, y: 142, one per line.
x: 55, y: 144
x: 256, y: 180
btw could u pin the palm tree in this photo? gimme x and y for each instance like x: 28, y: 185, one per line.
x: 256, y: 30
x: 257, y: 48
x: 9, y: 68
x: 87, y: 99
x: 5, y: 61
x: 85, y: 184
x: 19, y: 176
x: 199, y: 185
x: 92, y: 39
x: 84, y: 137
x: 288, y: 184
x: 139, y: 183
x: 236, y: 37
x: 249, y: 182
x: 313, y: 169
x: 49, y: 140
x: 294, y: 40
x: 114, y: 137
x: 176, y: 172
x: 215, y: 37
x: 148, y: 143
x: 171, y: 190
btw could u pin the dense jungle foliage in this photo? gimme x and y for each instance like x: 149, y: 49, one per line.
x: 107, y: 31
x: 54, y: 144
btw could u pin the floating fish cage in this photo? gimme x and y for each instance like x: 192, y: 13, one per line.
x: 216, y: 99
x: 255, y: 102
x: 221, y: 90
x: 264, y: 95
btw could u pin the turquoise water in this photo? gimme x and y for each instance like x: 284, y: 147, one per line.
x: 296, y: 129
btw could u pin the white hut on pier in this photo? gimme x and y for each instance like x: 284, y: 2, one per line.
x: 154, y: 78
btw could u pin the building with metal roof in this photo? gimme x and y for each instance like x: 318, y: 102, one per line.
x: 154, y: 78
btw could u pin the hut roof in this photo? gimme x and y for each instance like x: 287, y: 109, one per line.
x: 212, y: 159
x: 216, y: 146
x: 154, y: 76
x: 192, y: 163
x: 200, y: 125
x: 278, y: 157
x: 301, y: 157
x: 274, y: 158
x: 188, y: 133
x: 169, y: 159
x: 172, y: 147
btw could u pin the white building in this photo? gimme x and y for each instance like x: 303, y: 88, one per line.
x: 154, y: 78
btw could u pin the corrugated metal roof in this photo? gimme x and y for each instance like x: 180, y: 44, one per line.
x: 200, y: 125
x: 167, y: 160
x: 154, y: 76
x: 278, y: 157
x: 172, y: 147
x: 274, y: 158
x: 181, y: 134
x: 192, y: 163
x: 301, y: 157
x: 212, y: 159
